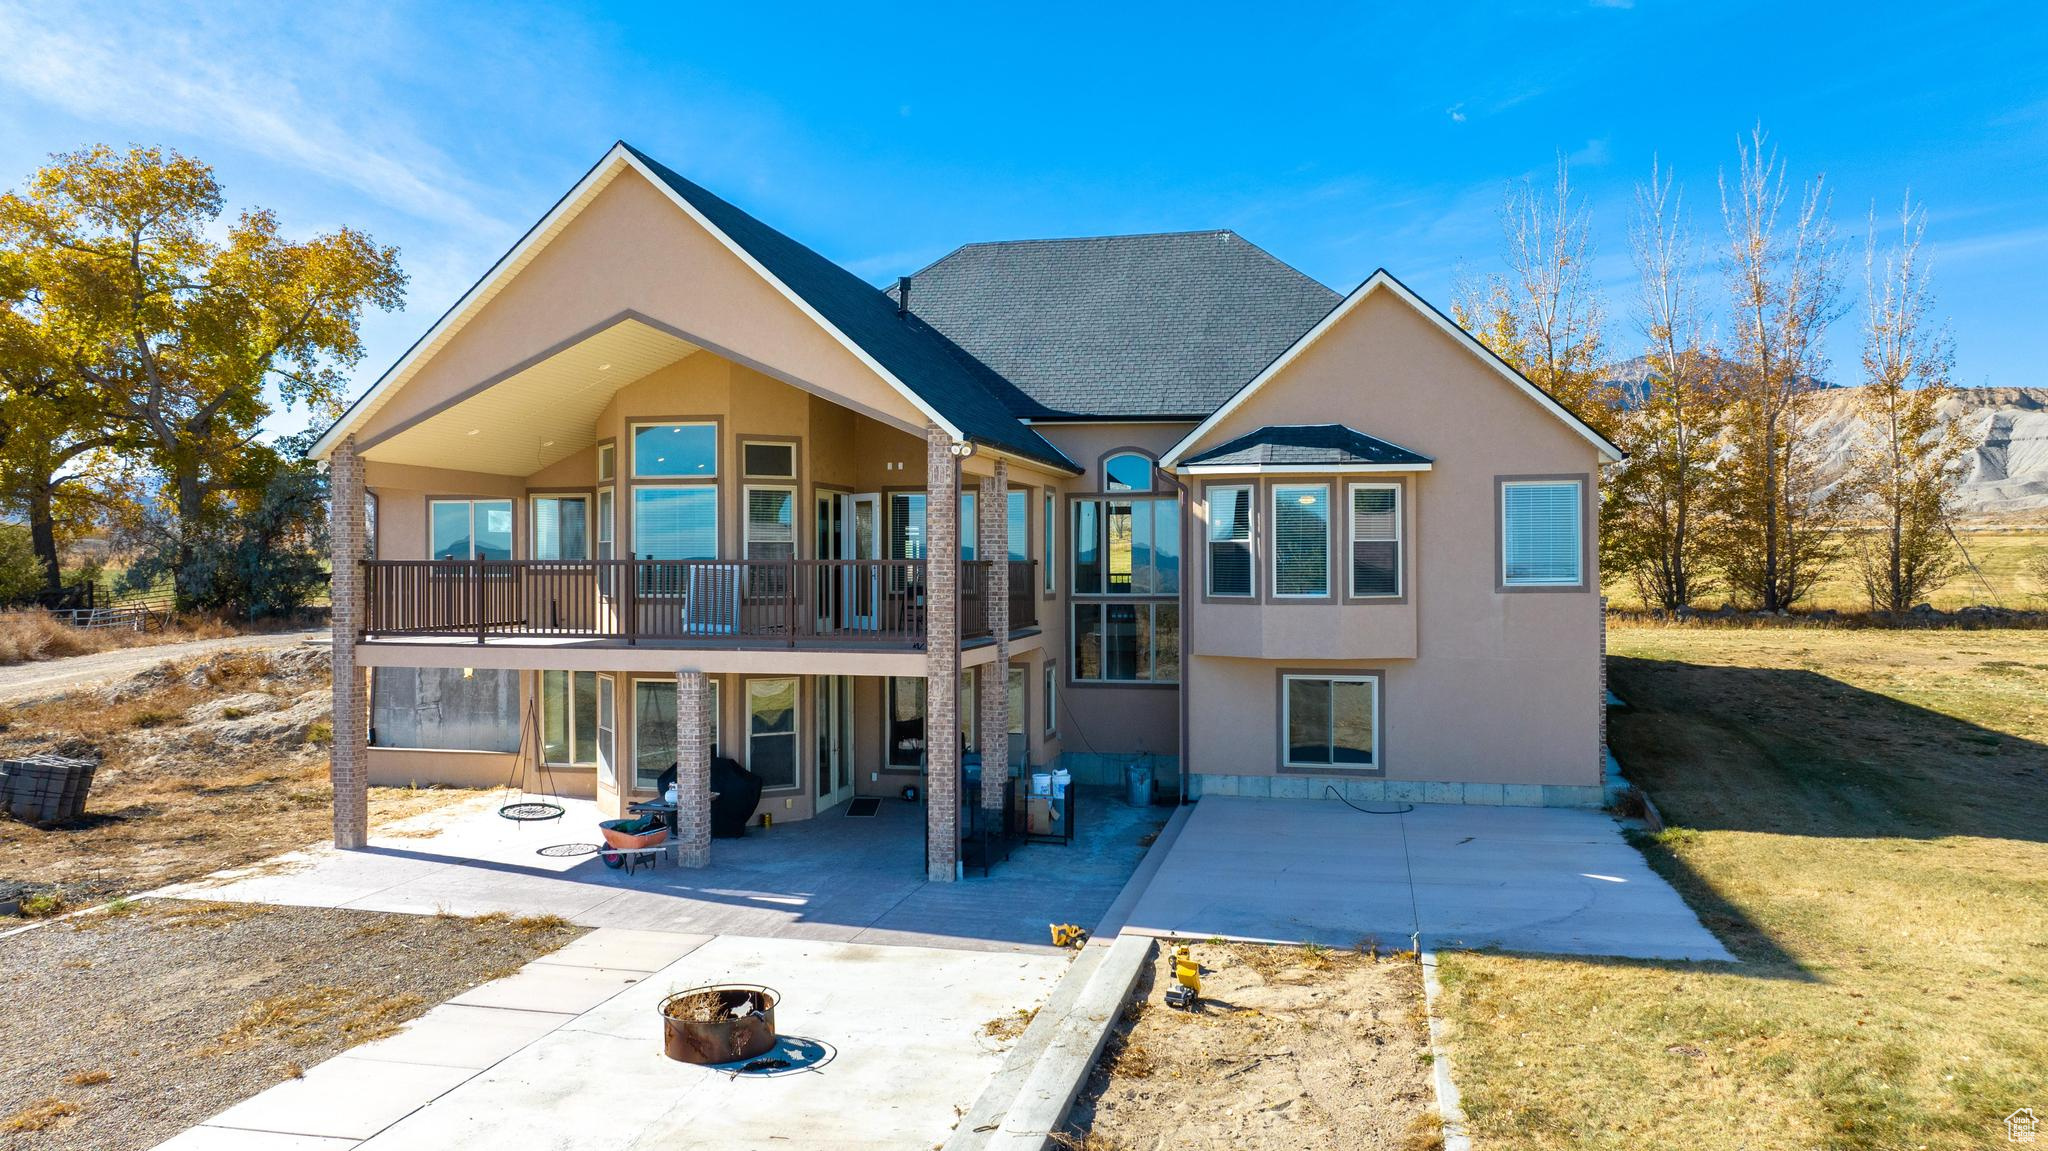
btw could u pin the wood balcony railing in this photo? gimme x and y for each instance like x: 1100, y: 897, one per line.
x: 725, y: 602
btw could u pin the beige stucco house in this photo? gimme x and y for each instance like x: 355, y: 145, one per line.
x: 667, y: 484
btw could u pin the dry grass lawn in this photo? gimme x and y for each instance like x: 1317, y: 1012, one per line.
x: 1290, y: 1047
x: 28, y: 636
x: 2005, y: 576
x: 157, y: 1014
x: 179, y: 795
x: 1863, y: 817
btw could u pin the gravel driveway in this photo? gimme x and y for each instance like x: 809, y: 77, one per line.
x: 47, y: 677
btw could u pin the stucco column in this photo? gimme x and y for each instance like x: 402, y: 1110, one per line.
x: 348, y: 763
x: 693, y: 769
x: 993, y: 512
x: 942, y: 656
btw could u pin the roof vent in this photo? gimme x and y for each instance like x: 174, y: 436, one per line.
x: 903, y: 295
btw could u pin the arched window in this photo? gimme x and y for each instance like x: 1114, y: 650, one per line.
x: 1127, y: 472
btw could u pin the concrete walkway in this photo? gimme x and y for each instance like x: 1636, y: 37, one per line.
x: 50, y: 676
x: 1522, y: 879
x: 885, y: 1046
x: 857, y: 880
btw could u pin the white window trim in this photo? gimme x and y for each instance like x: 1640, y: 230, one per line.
x: 633, y: 510
x: 1400, y: 541
x: 1579, y: 520
x: 1151, y: 474
x: 1251, y: 541
x: 747, y: 518
x: 604, y: 528
x: 533, y: 502
x: 471, y: 502
x: 633, y: 441
x: 1286, y: 725
x: 632, y: 762
x: 607, y: 724
x: 785, y: 477
x: 607, y: 475
x: 796, y: 729
x: 1273, y: 511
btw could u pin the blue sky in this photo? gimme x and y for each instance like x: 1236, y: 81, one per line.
x: 1342, y: 138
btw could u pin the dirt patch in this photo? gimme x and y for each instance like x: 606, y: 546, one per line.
x: 204, y: 763
x: 30, y: 636
x: 155, y: 1016
x: 1289, y: 1048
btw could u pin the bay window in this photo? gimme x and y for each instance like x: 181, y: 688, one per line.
x: 1231, y: 565
x: 1301, y: 540
x: 1375, y: 540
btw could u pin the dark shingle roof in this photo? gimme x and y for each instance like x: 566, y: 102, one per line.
x: 1328, y: 444
x: 1120, y: 326
x: 951, y: 382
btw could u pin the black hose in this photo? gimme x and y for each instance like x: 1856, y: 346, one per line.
x: 1401, y: 810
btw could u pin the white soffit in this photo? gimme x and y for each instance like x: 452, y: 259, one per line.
x: 537, y: 417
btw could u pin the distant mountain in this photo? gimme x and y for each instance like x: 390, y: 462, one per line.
x: 2007, y: 428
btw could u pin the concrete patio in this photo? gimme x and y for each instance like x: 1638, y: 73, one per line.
x: 885, y: 1045
x: 837, y: 878
x: 1523, y: 879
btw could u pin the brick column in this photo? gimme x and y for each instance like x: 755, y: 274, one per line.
x: 942, y: 657
x: 693, y: 769
x: 993, y: 508
x: 348, y: 763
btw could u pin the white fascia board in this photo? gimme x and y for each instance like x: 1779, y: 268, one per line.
x: 573, y: 202
x: 1383, y: 280
x: 1295, y: 469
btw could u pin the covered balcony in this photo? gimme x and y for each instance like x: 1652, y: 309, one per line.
x: 879, y: 604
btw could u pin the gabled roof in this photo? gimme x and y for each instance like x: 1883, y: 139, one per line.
x: 1331, y: 446
x: 927, y: 369
x: 1384, y: 281
x: 1149, y: 326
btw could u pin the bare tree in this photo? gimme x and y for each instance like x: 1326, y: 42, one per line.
x: 1659, y: 522
x: 1909, y: 462
x: 1545, y: 315
x: 1783, y: 286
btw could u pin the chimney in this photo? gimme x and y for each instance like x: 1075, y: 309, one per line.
x: 903, y: 295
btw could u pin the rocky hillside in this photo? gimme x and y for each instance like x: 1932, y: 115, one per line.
x: 2007, y: 427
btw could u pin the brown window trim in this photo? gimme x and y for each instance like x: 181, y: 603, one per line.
x: 1587, y: 497
x: 1379, y: 736
x: 1403, y: 539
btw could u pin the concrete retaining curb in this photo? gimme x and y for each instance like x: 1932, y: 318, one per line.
x: 1449, y: 1107
x: 1030, y: 1097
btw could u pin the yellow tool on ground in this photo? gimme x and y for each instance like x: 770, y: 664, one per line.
x: 1187, y: 978
x: 1068, y: 935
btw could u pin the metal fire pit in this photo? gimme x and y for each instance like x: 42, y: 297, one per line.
x: 745, y: 1028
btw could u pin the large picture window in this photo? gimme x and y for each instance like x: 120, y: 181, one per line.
x: 1126, y: 641
x: 675, y: 451
x: 1542, y: 544
x: 1126, y: 547
x: 1231, y: 566
x: 1375, y: 540
x: 568, y: 712
x: 445, y: 709
x: 673, y: 523
x: 470, y: 529
x: 771, y: 731
x: 654, y: 728
x: 1330, y: 721
x: 561, y: 527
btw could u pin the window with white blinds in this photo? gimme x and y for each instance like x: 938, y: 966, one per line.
x: 771, y: 523
x: 675, y: 523
x: 1230, y: 541
x: 1301, y: 540
x: 1375, y: 540
x: 561, y: 527
x: 1542, y: 526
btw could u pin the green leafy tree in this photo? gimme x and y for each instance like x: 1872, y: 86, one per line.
x: 21, y: 574
x: 186, y: 333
